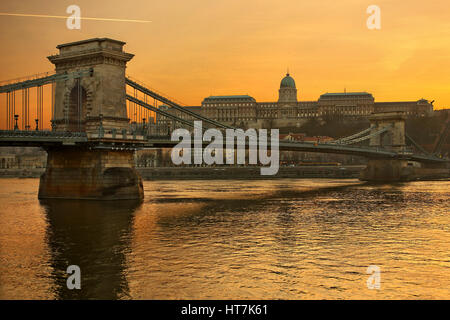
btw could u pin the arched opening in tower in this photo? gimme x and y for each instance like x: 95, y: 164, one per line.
x: 386, y: 139
x: 77, y: 109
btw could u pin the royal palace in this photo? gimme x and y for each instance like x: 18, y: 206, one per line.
x: 244, y: 111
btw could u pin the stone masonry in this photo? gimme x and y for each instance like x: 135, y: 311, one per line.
x: 94, y: 103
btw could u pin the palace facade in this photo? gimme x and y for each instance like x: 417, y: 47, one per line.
x: 244, y: 111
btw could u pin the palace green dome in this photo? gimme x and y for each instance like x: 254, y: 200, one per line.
x: 287, y: 82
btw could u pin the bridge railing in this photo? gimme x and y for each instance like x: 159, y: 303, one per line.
x: 41, y: 133
x: 143, y: 84
x: 26, y: 78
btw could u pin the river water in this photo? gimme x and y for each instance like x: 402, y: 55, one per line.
x: 233, y: 239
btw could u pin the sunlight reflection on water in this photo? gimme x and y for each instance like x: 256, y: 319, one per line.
x: 276, y: 239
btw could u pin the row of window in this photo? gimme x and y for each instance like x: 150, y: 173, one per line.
x: 250, y: 113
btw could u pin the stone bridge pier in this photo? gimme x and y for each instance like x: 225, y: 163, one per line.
x: 80, y: 173
x: 393, y: 138
x: 91, y: 104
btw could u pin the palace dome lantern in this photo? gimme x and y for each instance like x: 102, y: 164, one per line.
x: 288, y: 90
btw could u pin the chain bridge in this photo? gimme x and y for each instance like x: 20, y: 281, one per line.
x: 90, y: 117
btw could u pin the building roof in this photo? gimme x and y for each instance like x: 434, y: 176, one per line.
x: 231, y: 97
x: 287, y: 82
x: 193, y: 108
x: 422, y: 101
x: 89, y: 40
x: 346, y: 94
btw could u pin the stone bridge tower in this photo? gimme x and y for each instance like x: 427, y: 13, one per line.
x: 394, y: 136
x: 92, y: 100
x: 99, y: 94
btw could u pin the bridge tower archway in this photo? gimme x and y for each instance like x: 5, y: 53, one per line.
x: 76, y: 109
x: 98, y: 66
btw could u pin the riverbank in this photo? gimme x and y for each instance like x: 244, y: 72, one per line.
x: 248, y: 173
x: 253, y: 173
x: 21, y: 173
x: 212, y: 173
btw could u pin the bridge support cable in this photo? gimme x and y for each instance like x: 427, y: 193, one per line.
x: 25, y: 109
x: 146, y: 111
x: 443, y: 137
x: 53, y: 103
x: 416, y: 144
x: 175, y: 105
x: 356, y: 135
x: 38, y: 100
x: 44, y: 80
x: 27, y: 120
x: 7, y: 111
x: 39, y: 107
x: 133, y: 109
x: 39, y: 81
x: 166, y: 114
x: 376, y: 133
x: 138, y: 110
x: 11, y: 110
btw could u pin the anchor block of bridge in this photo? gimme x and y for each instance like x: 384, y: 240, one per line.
x: 94, y: 104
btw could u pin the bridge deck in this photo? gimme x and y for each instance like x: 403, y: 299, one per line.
x: 50, y: 138
x: 321, y: 148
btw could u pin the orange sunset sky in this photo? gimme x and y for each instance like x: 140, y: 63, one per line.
x: 195, y: 48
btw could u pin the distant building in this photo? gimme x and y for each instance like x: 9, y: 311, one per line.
x: 28, y: 161
x: 8, y: 161
x: 301, y: 137
x: 22, y: 158
x: 244, y: 111
x: 351, y: 104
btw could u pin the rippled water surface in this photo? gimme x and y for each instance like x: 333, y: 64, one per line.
x: 278, y: 239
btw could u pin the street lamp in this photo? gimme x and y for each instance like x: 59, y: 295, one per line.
x: 16, y: 119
